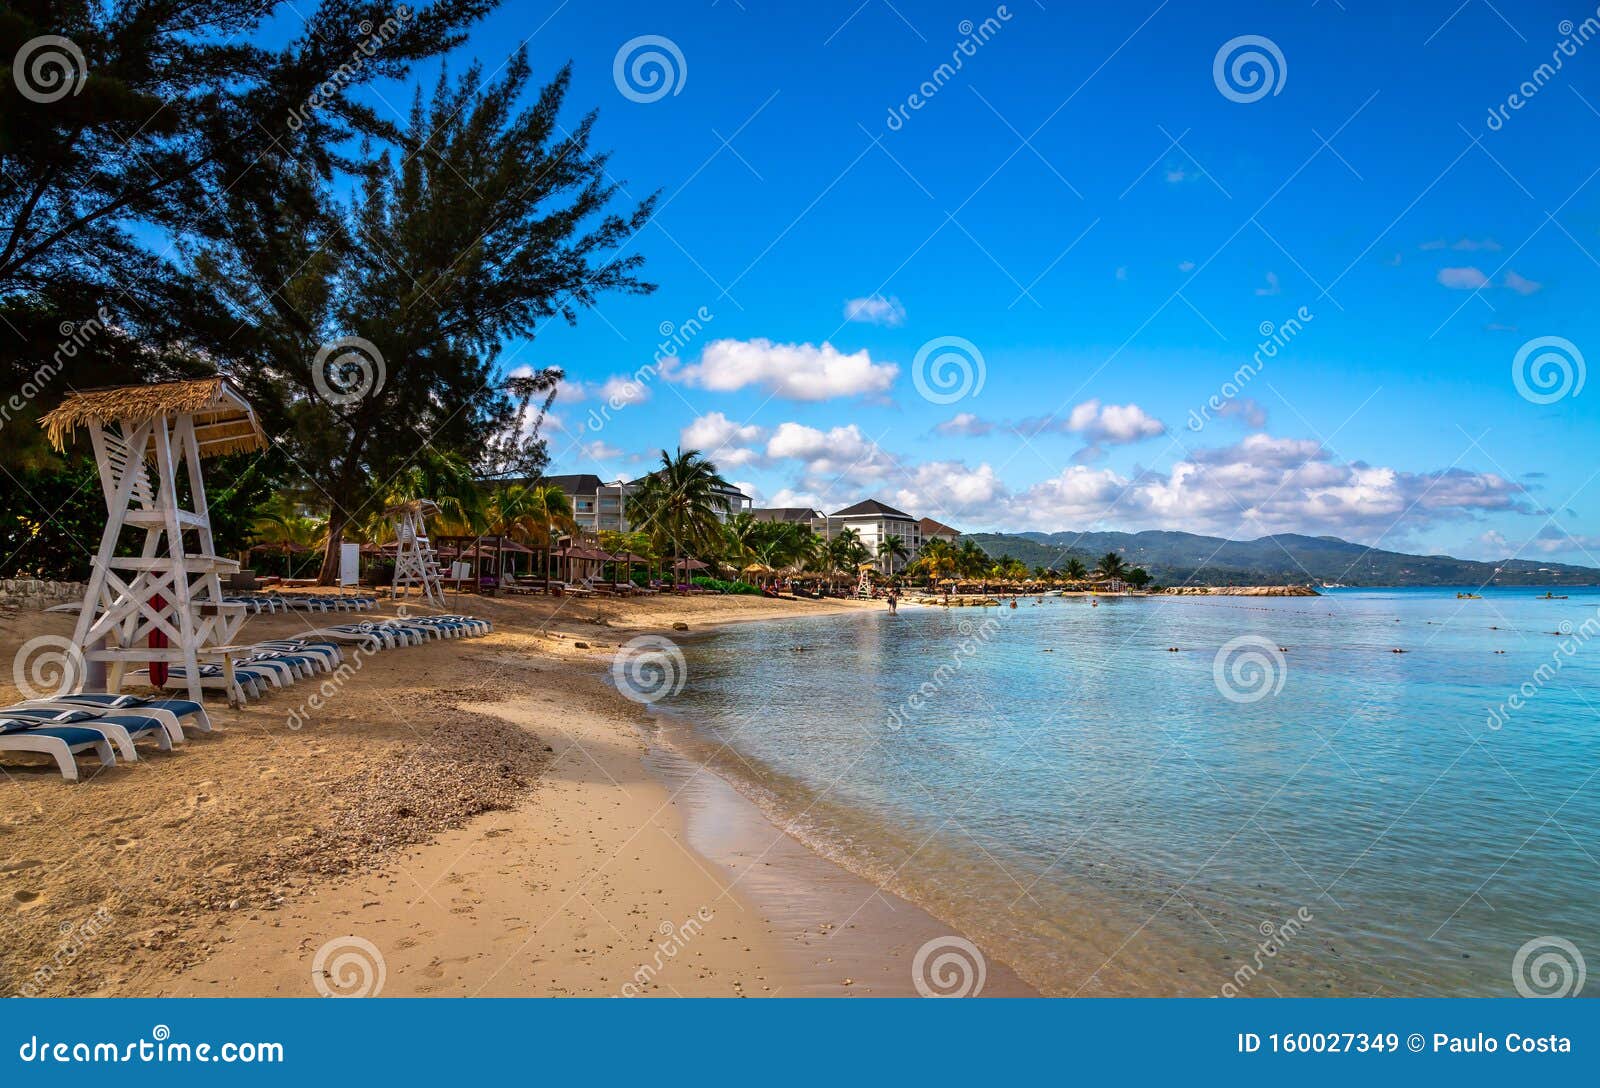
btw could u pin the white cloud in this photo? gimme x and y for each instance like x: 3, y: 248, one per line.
x: 620, y: 390
x: 722, y: 440
x: 790, y: 497
x: 1522, y: 285
x: 1247, y: 409
x: 965, y: 423
x: 1185, y: 266
x: 875, y: 310
x: 1463, y: 279
x: 1551, y: 541
x: 599, y: 450
x: 948, y: 489
x: 1113, y: 424
x: 1272, y: 287
x: 793, y: 371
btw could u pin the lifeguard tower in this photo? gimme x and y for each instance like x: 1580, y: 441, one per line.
x: 415, y: 563
x: 163, y: 605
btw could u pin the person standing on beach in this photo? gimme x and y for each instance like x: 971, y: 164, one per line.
x: 894, y: 603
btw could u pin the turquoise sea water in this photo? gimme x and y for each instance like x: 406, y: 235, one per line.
x: 1095, y: 809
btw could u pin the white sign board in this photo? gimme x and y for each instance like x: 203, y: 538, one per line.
x: 460, y: 571
x: 349, y: 564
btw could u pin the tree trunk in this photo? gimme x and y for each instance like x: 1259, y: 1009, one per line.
x: 337, y: 520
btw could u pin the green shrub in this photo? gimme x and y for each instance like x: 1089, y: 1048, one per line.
x: 725, y: 587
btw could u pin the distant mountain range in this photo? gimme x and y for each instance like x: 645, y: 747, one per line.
x: 1286, y: 559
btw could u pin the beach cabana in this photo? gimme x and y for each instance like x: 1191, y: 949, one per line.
x: 164, y: 605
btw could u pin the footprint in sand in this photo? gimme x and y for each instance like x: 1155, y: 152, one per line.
x: 122, y: 842
x: 26, y: 899
x: 18, y: 866
x: 436, y: 968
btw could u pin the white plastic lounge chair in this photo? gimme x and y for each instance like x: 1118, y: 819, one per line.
x: 58, y: 708
x: 183, y: 711
x: 59, y: 742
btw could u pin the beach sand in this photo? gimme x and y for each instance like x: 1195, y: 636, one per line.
x: 472, y: 817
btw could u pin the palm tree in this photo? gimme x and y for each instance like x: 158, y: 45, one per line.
x: 892, y: 549
x: 1111, y: 565
x: 545, y: 512
x: 679, y: 504
x: 1075, y: 570
x: 972, y: 560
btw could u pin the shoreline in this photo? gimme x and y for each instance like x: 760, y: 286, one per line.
x: 606, y: 860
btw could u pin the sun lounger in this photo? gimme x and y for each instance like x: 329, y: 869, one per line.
x: 120, y: 729
x: 248, y: 682
x: 60, y: 743
x: 181, y: 709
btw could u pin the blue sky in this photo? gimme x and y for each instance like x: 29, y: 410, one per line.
x: 1110, y: 231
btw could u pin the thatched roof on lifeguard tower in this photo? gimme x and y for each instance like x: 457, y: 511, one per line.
x: 224, y: 422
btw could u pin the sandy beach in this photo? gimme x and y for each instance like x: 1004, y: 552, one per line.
x: 475, y: 817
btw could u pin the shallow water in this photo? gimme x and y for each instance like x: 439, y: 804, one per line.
x: 1097, y: 811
